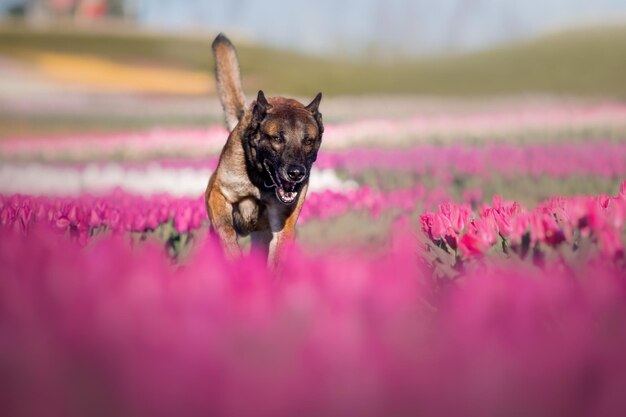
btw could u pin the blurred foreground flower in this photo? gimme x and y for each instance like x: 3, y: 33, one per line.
x: 110, y: 330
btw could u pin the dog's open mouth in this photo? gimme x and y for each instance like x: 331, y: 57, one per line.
x: 285, y: 190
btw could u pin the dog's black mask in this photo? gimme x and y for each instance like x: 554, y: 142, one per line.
x: 281, y: 144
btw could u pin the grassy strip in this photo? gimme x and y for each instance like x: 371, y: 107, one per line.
x: 526, y: 189
x: 588, y: 62
x: 530, y: 190
x: 23, y: 125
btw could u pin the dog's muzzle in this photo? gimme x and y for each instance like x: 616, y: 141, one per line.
x: 285, y: 187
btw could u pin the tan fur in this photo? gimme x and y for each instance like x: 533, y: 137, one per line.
x: 228, y: 81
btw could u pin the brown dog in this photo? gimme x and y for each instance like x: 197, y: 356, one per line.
x: 261, y: 180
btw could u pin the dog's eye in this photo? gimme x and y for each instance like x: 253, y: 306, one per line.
x: 308, y: 141
x: 277, y: 139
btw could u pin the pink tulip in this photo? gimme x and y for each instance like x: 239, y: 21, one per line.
x: 519, y: 227
x: 471, y: 244
x: 457, y: 215
x: 94, y: 219
x: 435, y: 225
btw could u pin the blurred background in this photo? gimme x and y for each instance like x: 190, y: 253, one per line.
x: 98, y: 94
x: 110, y: 65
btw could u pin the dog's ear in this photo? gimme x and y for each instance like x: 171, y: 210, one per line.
x: 261, y: 107
x: 259, y: 111
x: 314, y: 105
x: 313, y: 108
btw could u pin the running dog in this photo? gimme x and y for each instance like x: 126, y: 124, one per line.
x: 262, y: 177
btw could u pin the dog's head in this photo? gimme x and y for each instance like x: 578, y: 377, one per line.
x: 283, y: 138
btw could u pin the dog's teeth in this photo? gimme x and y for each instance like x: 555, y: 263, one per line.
x: 285, y: 196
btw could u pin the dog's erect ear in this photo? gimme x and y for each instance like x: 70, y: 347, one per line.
x: 313, y: 106
x: 261, y: 106
x: 259, y: 111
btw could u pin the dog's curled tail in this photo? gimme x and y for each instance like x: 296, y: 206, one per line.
x: 228, y: 80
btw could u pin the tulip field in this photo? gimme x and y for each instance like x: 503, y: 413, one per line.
x: 464, y: 263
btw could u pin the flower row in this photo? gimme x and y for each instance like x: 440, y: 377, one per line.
x: 122, y: 212
x: 118, y: 212
x: 512, y: 122
x: 189, y: 177
x: 599, y: 158
x: 559, y: 220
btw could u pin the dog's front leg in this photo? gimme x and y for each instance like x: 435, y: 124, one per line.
x: 221, y: 216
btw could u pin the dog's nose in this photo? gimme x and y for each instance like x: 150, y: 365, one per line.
x: 296, y: 172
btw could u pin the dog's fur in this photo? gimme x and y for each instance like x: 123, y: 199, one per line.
x: 262, y: 177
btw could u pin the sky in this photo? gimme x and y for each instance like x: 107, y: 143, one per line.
x: 352, y: 27
x: 355, y: 26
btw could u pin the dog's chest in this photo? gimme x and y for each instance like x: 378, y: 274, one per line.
x: 236, y: 186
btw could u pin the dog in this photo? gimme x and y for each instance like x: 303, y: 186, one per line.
x: 262, y: 177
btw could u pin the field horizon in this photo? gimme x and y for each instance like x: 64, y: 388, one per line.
x: 582, y: 62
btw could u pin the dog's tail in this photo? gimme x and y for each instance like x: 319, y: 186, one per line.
x: 228, y: 80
